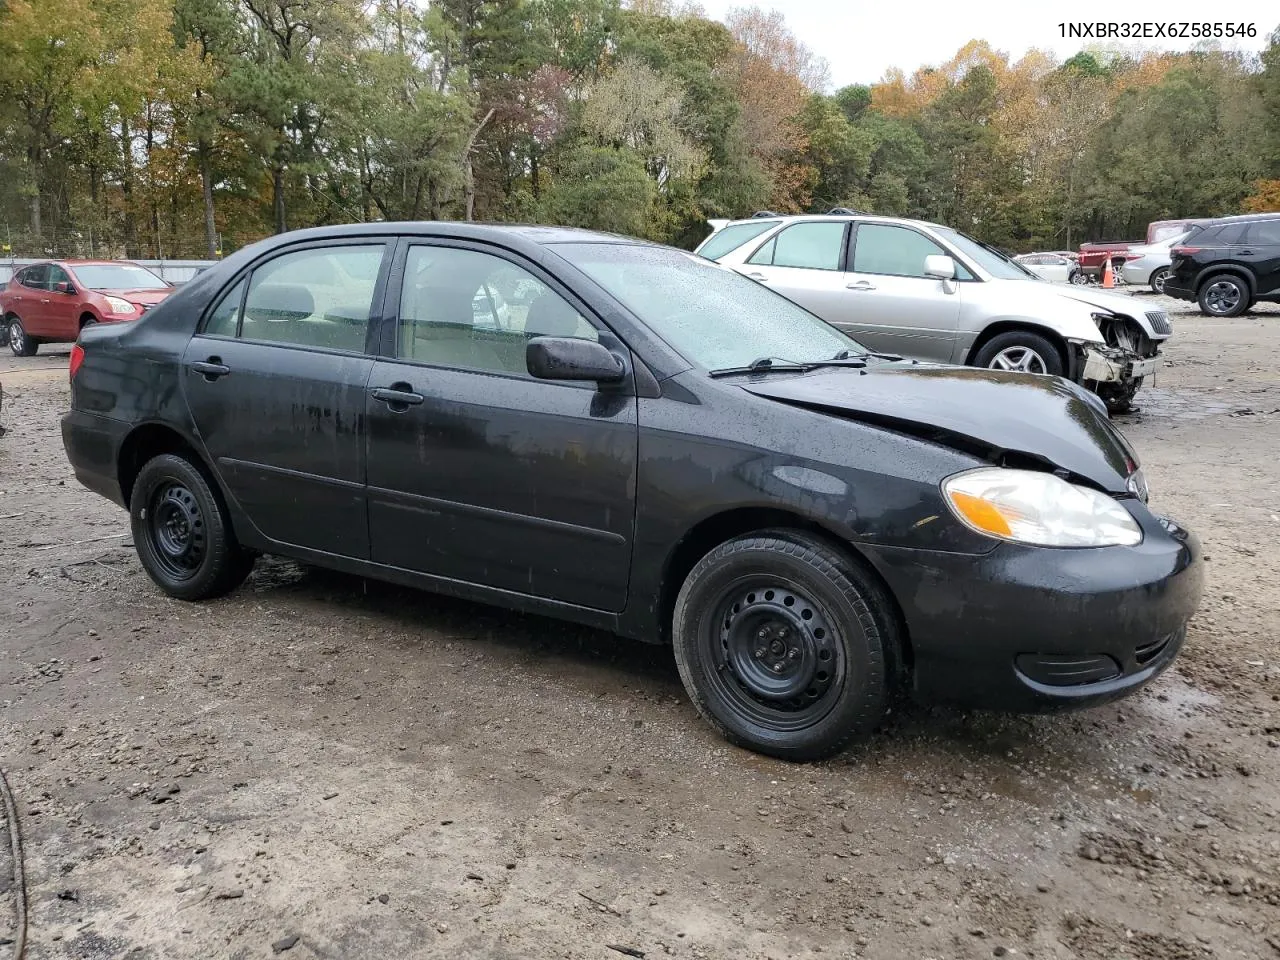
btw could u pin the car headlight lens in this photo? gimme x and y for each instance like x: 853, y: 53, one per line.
x: 1026, y: 506
x: 119, y: 306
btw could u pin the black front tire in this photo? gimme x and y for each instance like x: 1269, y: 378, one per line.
x: 1012, y: 347
x: 1224, y: 295
x: 182, y: 532
x: 781, y: 643
x: 20, y: 343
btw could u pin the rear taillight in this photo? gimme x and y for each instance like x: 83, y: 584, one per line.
x: 77, y: 358
x: 1185, y: 251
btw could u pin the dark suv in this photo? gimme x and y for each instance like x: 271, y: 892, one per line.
x: 1228, y: 265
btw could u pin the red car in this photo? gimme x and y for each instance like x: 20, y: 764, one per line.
x: 50, y: 302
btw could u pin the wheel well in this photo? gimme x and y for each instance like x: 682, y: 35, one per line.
x: 149, y: 440
x: 1011, y: 326
x: 1212, y: 272
x: 86, y: 318
x: 715, y: 530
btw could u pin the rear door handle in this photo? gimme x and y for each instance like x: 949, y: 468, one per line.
x: 396, y: 398
x: 860, y: 285
x: 210, y: 369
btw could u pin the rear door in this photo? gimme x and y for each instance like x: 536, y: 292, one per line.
x: 29, y: 302
x: 1262, y: 252
x: 276, y: 382
x: 803, y: 263
x: 899, y: 309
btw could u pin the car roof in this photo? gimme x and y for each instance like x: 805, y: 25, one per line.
x: 1240, y: 218
x: 798, y: 217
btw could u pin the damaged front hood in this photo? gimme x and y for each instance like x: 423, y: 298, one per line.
x: 1011, y: 418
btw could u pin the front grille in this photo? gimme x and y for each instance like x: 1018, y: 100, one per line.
x: 1066, y: 671
x: 1148, y: 652
x: 1160, y: 322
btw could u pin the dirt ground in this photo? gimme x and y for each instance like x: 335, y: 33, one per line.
x: 317, y: 766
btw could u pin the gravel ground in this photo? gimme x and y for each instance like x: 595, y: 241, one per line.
x: 316, y: 766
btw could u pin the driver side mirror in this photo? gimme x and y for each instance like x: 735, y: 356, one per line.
x: 64, y: 287
x: 568, y: 358
x: 942, y: 267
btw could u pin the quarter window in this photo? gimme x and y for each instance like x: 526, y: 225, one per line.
x: 224, y: 321
x: 320, y: 297
x: 892, y: 251
x: 474, y: 311
x: 814, y: 246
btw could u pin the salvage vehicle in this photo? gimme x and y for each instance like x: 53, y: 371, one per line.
x: 932, y: 293
x: 649, y: 444
x: 51, y: 302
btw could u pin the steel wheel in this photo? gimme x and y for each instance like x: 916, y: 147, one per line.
x: 776, y: 660
x: 177, y: 530
x: 1020, y: 359
x: 1222, y: 297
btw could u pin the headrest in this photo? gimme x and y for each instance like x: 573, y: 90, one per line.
x: 280, y: 301
x: 551, y: 316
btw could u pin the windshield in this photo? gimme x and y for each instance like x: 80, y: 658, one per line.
x: 117, y: 276
x: 990, y: 259
x: 731, y: 238
x: 714, y: 318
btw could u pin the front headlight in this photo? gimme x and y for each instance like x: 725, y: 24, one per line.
x: 1026, y: 506
x: 119, y: 306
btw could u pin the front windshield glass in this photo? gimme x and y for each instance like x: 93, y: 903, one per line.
x: 117, y: 276
x: 714, y: 318
x: 990, y: 259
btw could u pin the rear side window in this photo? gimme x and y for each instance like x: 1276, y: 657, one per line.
x: 1224, y: 234
x: 813, y: 246
x: 1264, y: 232
x: 732, y: 237
x: 35, y: 277
x: 314, y: 298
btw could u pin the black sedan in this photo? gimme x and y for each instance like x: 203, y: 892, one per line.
x: 631, y: 437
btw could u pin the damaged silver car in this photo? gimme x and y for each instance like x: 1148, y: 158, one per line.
x: 933, y: 293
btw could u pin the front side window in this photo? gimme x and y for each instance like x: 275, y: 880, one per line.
x: 56, y: 276
x: 474, y: 311
x: 320, y: 297
x: 710, y: 315
x: 1264, y: 232
x: 815, y: 246
x: 892, y: 251
x: 732, y: 237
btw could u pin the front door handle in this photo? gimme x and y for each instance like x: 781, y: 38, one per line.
x: 758, y: 277
x: 210, y: 369
x: 399, y: 396
x: 860, y: 285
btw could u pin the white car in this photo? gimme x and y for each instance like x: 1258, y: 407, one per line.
x: 932, y: 293
x: 1049, y: 266
x: 1148, y: 264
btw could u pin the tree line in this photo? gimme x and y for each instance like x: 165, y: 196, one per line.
x: 188, y: 128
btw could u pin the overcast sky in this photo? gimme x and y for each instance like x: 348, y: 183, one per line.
x: 863, y: 38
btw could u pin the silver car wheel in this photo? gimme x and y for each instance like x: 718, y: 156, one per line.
x: 1080, y: 278
x: 1222, y: 297
x: 16, y: 337
x: 1158, y: 280
x: 1019, y: 359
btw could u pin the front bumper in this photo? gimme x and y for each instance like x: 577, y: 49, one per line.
x: 1031, y: 629
x: 1103, y: 364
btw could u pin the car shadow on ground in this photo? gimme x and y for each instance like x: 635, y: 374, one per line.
x: 1059, y: 748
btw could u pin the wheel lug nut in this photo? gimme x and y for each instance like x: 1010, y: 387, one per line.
x: 794, y: 654
x: 777, y: 668
x: 759, y: 652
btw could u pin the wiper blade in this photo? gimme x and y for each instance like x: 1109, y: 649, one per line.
x: 763, y: 365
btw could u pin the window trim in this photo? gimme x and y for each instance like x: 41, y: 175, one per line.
x: 389, y: 344
x: 773, y: 237
x: 961, y: 262
x: 377, y: 305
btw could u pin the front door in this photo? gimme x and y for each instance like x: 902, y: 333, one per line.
x: 61, y: 310
x: 478, y: 472
x: 894, y: 307
x: 276, y: 382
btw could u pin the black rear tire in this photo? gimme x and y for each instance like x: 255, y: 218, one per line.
x: 1020, y: 347
x: 1224, y: 295
x: 182, y: 532
x: 780, y: 644
x: 20, y: 343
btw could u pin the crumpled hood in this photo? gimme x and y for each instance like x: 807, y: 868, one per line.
x: 139, y: 296
x: 1110, y: 302
x: 990, y: 412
